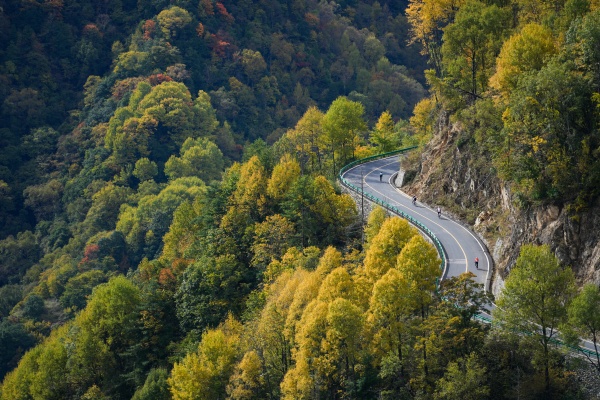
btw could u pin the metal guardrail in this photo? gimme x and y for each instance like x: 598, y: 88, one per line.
x: 554, y: 341
x: 426, y: 230
x: 390, y: 207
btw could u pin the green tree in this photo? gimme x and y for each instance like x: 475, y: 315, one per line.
x: 384, y: 135
x: 210, y: 288
x: 104, y: 211
x: 145, y: 169
x: 545, y: 130
x: 17, y: 255
x: 585, y: 41
x: 14, y: 342
x: 535, y: 299
x: 183, y: 230
x: 155, y: 387
x: 145, y: 225
x: 157, y: 121
x: 78, y: 288
x: 91, y: 350
x: 172, y: 19
x: 342, y: 123
x: 464, y: 379
x: 253, y: 63
x: 450, y: 333
x: 463, y: 297
x: 471, y: 44
x: 199, y: 157
x: 106, y: 335
x: 584, y: 321
x: 44, y: 199
x: 10, y: 295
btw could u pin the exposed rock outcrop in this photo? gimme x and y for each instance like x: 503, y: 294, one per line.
x: 452, y: 172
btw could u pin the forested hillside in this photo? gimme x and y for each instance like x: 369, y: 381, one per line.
x: 171, y: 227
x: 516, y: 139
x: 118, y: 120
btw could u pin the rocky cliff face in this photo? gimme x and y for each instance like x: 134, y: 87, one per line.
x: 453, y: 173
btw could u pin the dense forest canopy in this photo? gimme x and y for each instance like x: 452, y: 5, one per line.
x: 170, y: 225
x: 523, y: 78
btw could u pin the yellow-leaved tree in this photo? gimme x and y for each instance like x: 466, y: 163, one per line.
x: 247, y: 382
x: 384, y: 136
x: 389, y: 319
x: 306, y: 139
x: 427, y: 18
x: 383, y: 250
x: 419, y: 264
x: 374, y: 222
x: 308, y: 289
x: 204, y: 374
x: 304, y: 379
x: 282, y: 177
x: 528, y: 50
x: 248, y: 200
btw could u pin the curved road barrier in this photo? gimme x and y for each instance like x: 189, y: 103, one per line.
x: 457, y: 246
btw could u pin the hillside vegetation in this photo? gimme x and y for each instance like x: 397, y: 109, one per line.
x: 522, y: 79
x: 171, y: 227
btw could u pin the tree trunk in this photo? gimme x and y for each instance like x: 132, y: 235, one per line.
x: 546, y: 364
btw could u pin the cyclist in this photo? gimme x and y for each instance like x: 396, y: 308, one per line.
x: 380, y: 176
x: 439, y: 212
x: 476, y: 262
x: 414, y: 200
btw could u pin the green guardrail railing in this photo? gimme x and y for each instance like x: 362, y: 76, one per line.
x: 423, y: 228
x: 554, y: 341
x: 391, y: 207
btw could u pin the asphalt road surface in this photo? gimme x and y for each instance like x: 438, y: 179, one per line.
x: 460, y: 244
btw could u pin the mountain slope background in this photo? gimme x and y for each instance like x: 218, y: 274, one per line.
x: 170, y: 222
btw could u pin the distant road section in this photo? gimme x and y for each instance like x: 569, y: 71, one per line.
x: 460, y: 245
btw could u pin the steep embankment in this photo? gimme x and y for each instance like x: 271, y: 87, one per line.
x: 453, y: 172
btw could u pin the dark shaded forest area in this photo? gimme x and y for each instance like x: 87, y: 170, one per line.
x: 170, y: 224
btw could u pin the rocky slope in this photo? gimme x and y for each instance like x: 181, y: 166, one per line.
x: 452, y: 172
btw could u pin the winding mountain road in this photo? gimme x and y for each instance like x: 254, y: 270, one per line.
x: 460, y: 245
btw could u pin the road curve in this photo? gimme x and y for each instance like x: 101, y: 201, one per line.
x: 460, y: 244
